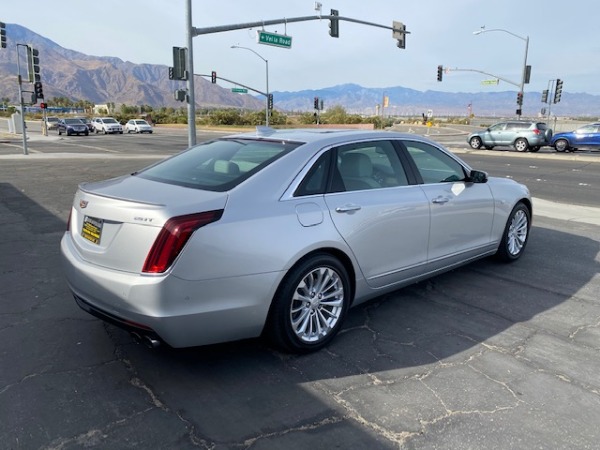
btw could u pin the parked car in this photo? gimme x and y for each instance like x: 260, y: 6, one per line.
x: 280, y: 232
x: 51, y: 123
x: 106, y: 125
x: 88, y: 123
x: 585, y: 136
x: 520, y: 134
x: 138, y: 126
x: 72, y: 126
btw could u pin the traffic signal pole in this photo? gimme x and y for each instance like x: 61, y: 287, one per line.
x: 22, y: 104
x: 193, y: 32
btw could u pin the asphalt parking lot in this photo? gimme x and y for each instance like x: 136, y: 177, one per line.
x: 489, y: 356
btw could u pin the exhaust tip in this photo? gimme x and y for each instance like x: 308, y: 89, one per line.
x: 148, y: 341
x: 151, y: 342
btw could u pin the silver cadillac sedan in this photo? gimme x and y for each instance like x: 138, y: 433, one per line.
x: 279, y: 232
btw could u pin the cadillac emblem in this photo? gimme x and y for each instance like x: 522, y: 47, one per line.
x: 83, y: 203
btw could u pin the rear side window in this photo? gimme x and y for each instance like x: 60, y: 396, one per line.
x: 217, y: 165
x: 515, y: 126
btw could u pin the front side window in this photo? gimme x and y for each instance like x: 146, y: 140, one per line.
x: 434, y: 165
x: 218, y: 165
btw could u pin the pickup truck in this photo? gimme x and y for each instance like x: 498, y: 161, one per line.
x: 106, y: 125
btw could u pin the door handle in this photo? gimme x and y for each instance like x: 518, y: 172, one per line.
x: 347, y: 208
x: 441, y: 200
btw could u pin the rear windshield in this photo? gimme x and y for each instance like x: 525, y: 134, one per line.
x: 218, y: 165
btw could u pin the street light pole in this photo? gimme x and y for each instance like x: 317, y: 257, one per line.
x: 267, y: 75
x: 526, y: 39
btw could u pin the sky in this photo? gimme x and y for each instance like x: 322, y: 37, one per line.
x: 562, y: 40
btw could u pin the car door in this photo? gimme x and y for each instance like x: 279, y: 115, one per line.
x: 462, y: 212
x: 383, y: 219
x: 495, y: 135
x: 585, y: 135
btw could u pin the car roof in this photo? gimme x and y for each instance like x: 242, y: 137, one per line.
x: 325, y: 135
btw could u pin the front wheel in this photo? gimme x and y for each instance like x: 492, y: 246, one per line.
x: 516, y: 234
x: 562, y: 145
x: 521, y: 145
x: 475, y: 142
x: 310, y: 305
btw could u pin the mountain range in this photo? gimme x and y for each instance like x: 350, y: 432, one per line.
x: 75, y: 75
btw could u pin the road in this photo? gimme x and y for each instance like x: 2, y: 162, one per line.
x: 488, y: 356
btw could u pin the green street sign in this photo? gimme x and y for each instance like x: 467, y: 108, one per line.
x: 239, y: 90
x: 490, y: 82
x: 277, y: 40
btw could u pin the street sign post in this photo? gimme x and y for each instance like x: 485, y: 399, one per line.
x: 274, y: 39
x: 239, y: 90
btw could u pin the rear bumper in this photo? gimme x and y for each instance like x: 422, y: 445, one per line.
x: 182, y: 313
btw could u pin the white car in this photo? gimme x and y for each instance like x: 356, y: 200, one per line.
x: 138, y: 126
x: 107, y: 125
x: 51, y: 123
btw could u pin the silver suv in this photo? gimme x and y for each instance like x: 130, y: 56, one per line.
x: 520, y: 134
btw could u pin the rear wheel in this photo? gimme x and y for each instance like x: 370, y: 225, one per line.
x: 475, y: 142
x: 310, y: 305
x: 521, y: 145
x: 489, y: 147
x: 516, y: 234
x: 535, y: 149
x: 561, y: 145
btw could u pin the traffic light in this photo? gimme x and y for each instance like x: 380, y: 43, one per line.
x: 440, y: 73
x: 43, y: 105
x: 334, y: 24
x: 179, y: 63
x: 398, y: 33
x: 213, y: 77
x: 545, y: 96
x: 2, y: 35
x: 33, y: 64
x: 519, y: 98
x: 558, y: 90
x: 270, y: 101
x: 38, y: 89
x: 171, y: 73
x: 316, y: 103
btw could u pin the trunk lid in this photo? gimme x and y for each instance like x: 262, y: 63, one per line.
x: 114, y: 223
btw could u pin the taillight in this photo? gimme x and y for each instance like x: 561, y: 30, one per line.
x: 536, y: 131
x: 173, y: 237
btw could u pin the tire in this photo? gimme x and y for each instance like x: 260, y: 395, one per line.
x: 475, y: 142
x: 561, y: 145
x: 489, y: 147
x: 87, y: 133
x: 104, y: 129
x: 128, y: 130
x: 521, y: 145
x: 310, y: 305
x: 59, y: 133
x: 120, y: 132
x: 97, y: 131
x: 535, y: 149
x: 516, y: 234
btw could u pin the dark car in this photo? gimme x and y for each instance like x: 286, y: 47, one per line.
x: 520, y: 134
x: 88, y: 122
x: 585, y: 136
x: 72, y: 126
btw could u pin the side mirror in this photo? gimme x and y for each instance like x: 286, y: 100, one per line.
x: 477, y: 176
